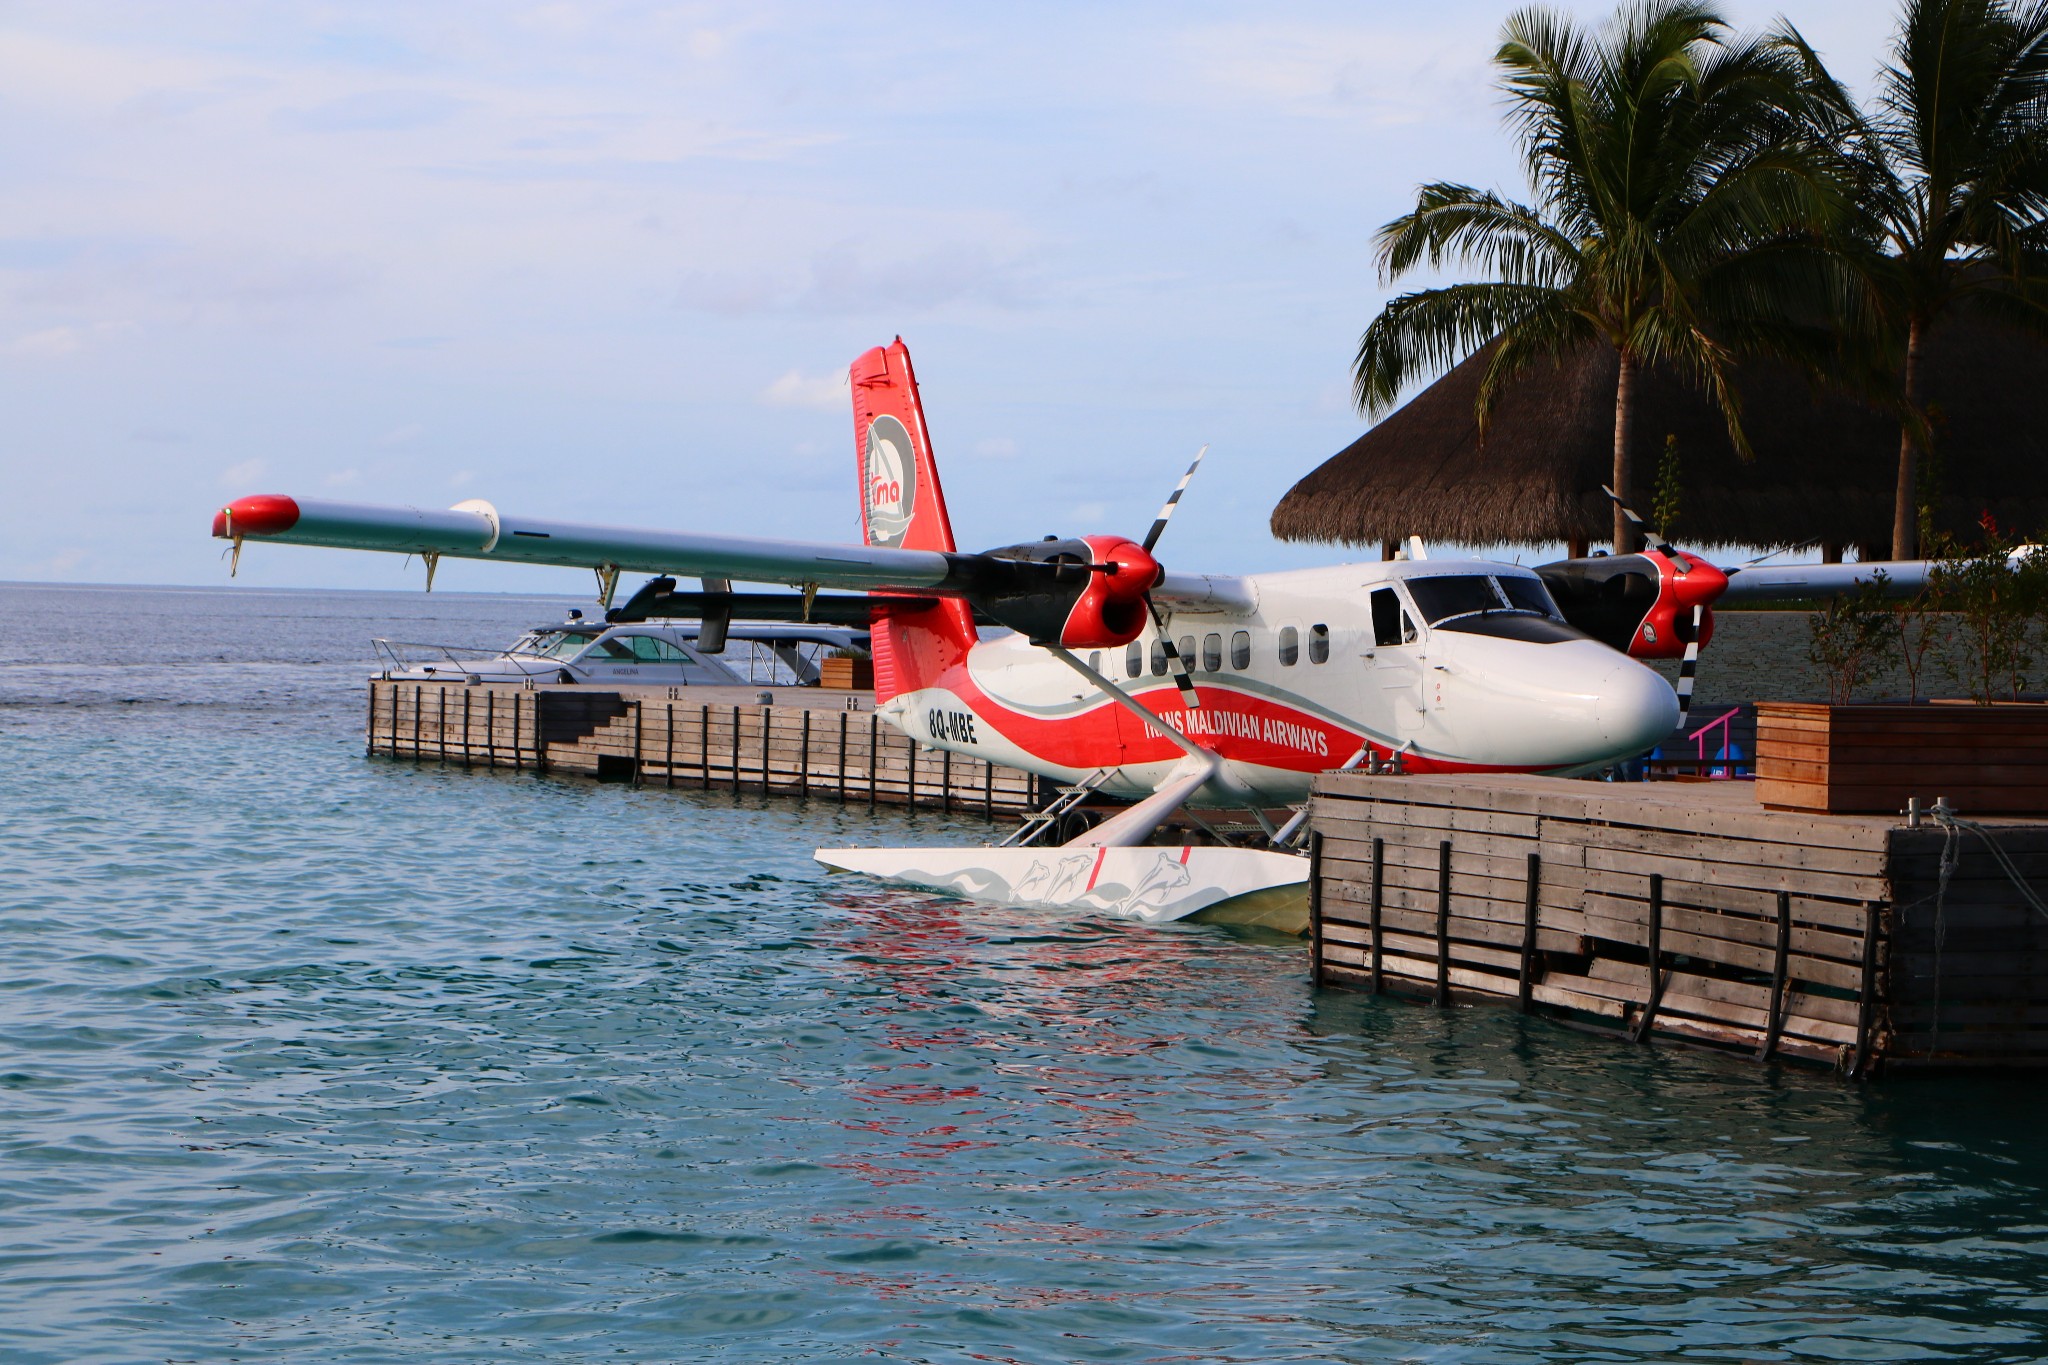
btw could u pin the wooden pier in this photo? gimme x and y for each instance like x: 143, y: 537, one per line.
x: 804, y: 741
x: 1687, y: 912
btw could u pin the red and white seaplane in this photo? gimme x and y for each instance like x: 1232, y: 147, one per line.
x: 1158, y: 686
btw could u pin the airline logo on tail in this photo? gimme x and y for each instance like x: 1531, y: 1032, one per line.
x: 889, y: 476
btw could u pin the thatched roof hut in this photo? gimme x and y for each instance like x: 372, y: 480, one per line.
x: 1824, y: 468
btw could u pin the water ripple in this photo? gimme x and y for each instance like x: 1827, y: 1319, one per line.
x: 308, y: 1057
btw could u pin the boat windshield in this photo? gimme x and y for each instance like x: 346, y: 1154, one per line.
x: 552, y: 644
x: 1442, y: 597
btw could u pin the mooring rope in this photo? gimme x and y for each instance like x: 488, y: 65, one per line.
x: 1952, y: 854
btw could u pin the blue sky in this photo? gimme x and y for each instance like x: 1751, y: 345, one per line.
x: 608, y: 262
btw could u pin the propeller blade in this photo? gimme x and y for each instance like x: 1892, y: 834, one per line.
x: 1166, y: 512
x: 1688, y: 668
x: 1642, y: 528
x: 1174, y: 662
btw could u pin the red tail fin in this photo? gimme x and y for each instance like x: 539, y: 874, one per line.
x: 903, y: 506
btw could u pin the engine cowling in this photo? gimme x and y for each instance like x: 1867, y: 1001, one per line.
x: 1641, y: 604
x: 1086, y: 592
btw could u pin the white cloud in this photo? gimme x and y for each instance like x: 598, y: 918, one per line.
x: 55, y: 343
x: 798, y: 390
x: 399, y: 436
x: 343, y: 478
x: 462, y: 478
x: 248, y: 471
x: 995, y: 447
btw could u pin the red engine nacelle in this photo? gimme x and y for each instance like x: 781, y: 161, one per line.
x: 1684, y: 582
x: 1083, y: 593
x: 1110, y: 612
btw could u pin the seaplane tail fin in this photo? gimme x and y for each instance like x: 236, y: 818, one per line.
x: 902, y: 507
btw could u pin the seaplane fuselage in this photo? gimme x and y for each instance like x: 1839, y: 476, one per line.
x: 1297, y: 672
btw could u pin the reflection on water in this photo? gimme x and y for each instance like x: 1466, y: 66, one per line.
x: 312, y: 1057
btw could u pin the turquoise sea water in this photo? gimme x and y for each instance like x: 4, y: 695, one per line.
x: 309, y: 1057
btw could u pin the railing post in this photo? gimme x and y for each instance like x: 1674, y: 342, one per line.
x: 1443, y: 922
x: 874, y: 760
x: 1656, y: 954
x: 1315, y: 908
x: 1527, y: 984
x: 704, y: 742
x: 1866, y: 1005
x: 1379, y: 882
x: 1774, y: 1012
x: 842, y: 758
x: 668, y: 751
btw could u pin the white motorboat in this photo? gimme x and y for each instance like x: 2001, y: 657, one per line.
x: 642, y: 654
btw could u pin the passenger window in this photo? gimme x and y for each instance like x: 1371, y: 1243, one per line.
x: 1212, y: 653
x: 1187, y: 651
x: 1134, y: 659
x: 1095, y: 660
x: 1386, y: 617
x: 1241, y: 649
x: 1290, y: 646
x: 1318, y: 644
x: 1159, y: 658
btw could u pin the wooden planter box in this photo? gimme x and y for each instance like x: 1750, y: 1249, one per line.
x: 1811, y: 756
x: 847, y: 675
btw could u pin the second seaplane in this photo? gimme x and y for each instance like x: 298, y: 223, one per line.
x: 1123, y: 678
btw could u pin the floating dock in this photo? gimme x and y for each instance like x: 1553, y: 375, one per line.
x: 1684, y: 911
x: 802, y: 741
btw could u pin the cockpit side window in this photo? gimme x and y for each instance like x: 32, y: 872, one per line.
x: 1386, y: 617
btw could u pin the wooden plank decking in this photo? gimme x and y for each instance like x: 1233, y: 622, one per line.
x: 805, y: 741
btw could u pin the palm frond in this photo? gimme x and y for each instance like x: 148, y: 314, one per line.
x: 1432, y: 329
x: 1501, y: 238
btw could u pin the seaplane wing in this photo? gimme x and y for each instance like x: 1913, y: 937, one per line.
x: 1799, y: 582
x: 477, y: 530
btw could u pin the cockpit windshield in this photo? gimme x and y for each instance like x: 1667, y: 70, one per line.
x: 1445, y: 597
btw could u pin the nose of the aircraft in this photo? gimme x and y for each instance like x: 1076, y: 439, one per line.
x: 1635, y: 708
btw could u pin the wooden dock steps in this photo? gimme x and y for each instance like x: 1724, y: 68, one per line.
x: 1684, y: 911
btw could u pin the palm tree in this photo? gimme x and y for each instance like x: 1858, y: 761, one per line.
x: 1679, y: 197
x: 1952, y: 185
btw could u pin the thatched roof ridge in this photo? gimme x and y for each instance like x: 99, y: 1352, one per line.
x: 1824, y: 467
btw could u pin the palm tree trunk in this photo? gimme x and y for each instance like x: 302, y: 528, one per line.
x: 1905, y: 509
x: 1624, y: 431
